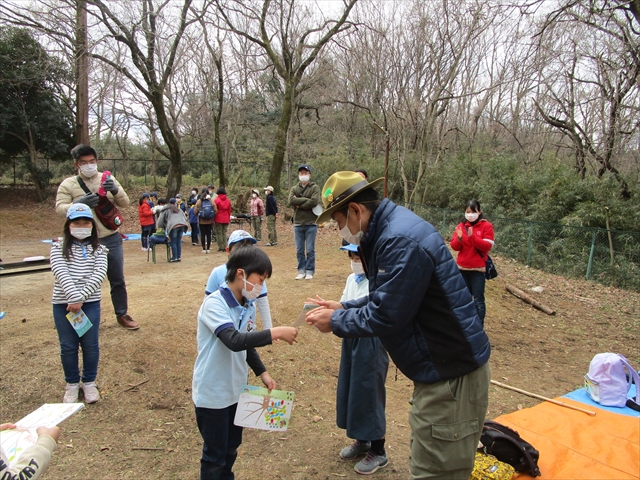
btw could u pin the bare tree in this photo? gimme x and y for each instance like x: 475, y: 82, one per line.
x: 590, y: 90
x: 152, y: 36
x: 277, y: 26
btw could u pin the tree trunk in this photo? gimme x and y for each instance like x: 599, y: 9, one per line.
x: 82, y: 75
x: 174, y: 178
x: 281, y: 138
x: 39, y: 182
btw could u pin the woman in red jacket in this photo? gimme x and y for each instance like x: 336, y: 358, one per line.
x: 222, y: 218
x: 473, y: 239
x: 147, y: 220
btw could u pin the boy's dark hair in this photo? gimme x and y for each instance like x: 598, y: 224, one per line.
x: 249, y: 259
x: 369, y: 198
x: 221, y: 191
x: 362, y: 171
x: 82, y: 151
x: 162, y: 201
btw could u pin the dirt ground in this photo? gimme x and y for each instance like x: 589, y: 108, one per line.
x: 144, y: 426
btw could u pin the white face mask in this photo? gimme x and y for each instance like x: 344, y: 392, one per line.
x: 80, y: 233
x: 472, y: 217
x: 304, y: 178
x: 253, y: 294
x: 350, y: 237
x: 254, y: 195
x: 89, y: 170
x: 357, y: 268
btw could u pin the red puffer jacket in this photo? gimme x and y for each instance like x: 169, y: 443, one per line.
x: 146, y: 215
x: 224, y: 209
x: 473, y: 248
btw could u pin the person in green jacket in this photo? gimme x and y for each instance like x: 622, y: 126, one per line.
x: 304, y: 197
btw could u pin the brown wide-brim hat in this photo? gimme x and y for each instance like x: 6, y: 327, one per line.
x: 339, y: 189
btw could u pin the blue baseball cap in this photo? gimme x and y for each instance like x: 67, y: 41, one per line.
x: 145, y: 195
x: 304, y: 166
x: 350, y: 248
x: 79, y: 210
x: 238, y: 236
x: 172, y: 200
x: 154, y: 194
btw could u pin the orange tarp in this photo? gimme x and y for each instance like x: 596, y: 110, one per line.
x: 576, y: 446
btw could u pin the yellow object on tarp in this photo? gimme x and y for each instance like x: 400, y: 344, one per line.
x: 488, y: 467
x: 577, y: 446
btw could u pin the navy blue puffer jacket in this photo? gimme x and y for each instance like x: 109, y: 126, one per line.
x: 418, y: 302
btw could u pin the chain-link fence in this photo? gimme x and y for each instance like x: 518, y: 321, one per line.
x: 611, y: 257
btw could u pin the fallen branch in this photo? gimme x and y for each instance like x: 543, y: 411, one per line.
x: 540, y: 397
x: 146, y: 448
x: 136, y: 385
x: 523, y: 296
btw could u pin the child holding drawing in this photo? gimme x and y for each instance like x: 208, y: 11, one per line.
x: 33, y: 460
x: 361, y: 392
x: 227, y: 346
x: 79, y: 265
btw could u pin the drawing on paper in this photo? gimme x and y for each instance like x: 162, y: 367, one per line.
x: 264, y: 410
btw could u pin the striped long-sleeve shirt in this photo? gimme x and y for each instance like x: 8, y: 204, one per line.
x: 79, y: 278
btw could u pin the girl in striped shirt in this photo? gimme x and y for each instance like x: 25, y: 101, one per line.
x: 79, y: 265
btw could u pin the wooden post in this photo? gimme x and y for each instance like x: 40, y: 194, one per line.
x: 523, y: 296
x: 606, y: 215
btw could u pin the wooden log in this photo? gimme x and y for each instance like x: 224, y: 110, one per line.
x: 523, y: 296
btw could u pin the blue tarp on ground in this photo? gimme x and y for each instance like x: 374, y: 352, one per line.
x: 580, y: 395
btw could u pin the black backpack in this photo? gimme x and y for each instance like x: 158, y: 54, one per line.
x: 509, y: 447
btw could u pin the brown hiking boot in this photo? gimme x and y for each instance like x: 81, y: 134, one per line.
x: 127, y: 322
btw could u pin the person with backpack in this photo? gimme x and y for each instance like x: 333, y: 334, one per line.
x: 205, y: 210
x: 473, y: 238
x: 256, y: 213
x: 223, y: 218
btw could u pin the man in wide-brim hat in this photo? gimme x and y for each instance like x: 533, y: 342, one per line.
x: 420, y: 308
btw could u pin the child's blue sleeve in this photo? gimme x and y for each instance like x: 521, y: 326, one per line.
x: 215, y: 314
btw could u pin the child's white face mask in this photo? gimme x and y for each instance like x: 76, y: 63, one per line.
x: 80, y: 233
x: 253, y: 294
x: 357, y: 268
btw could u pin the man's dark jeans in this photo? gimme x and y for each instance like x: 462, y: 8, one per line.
x: 115, y: 273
